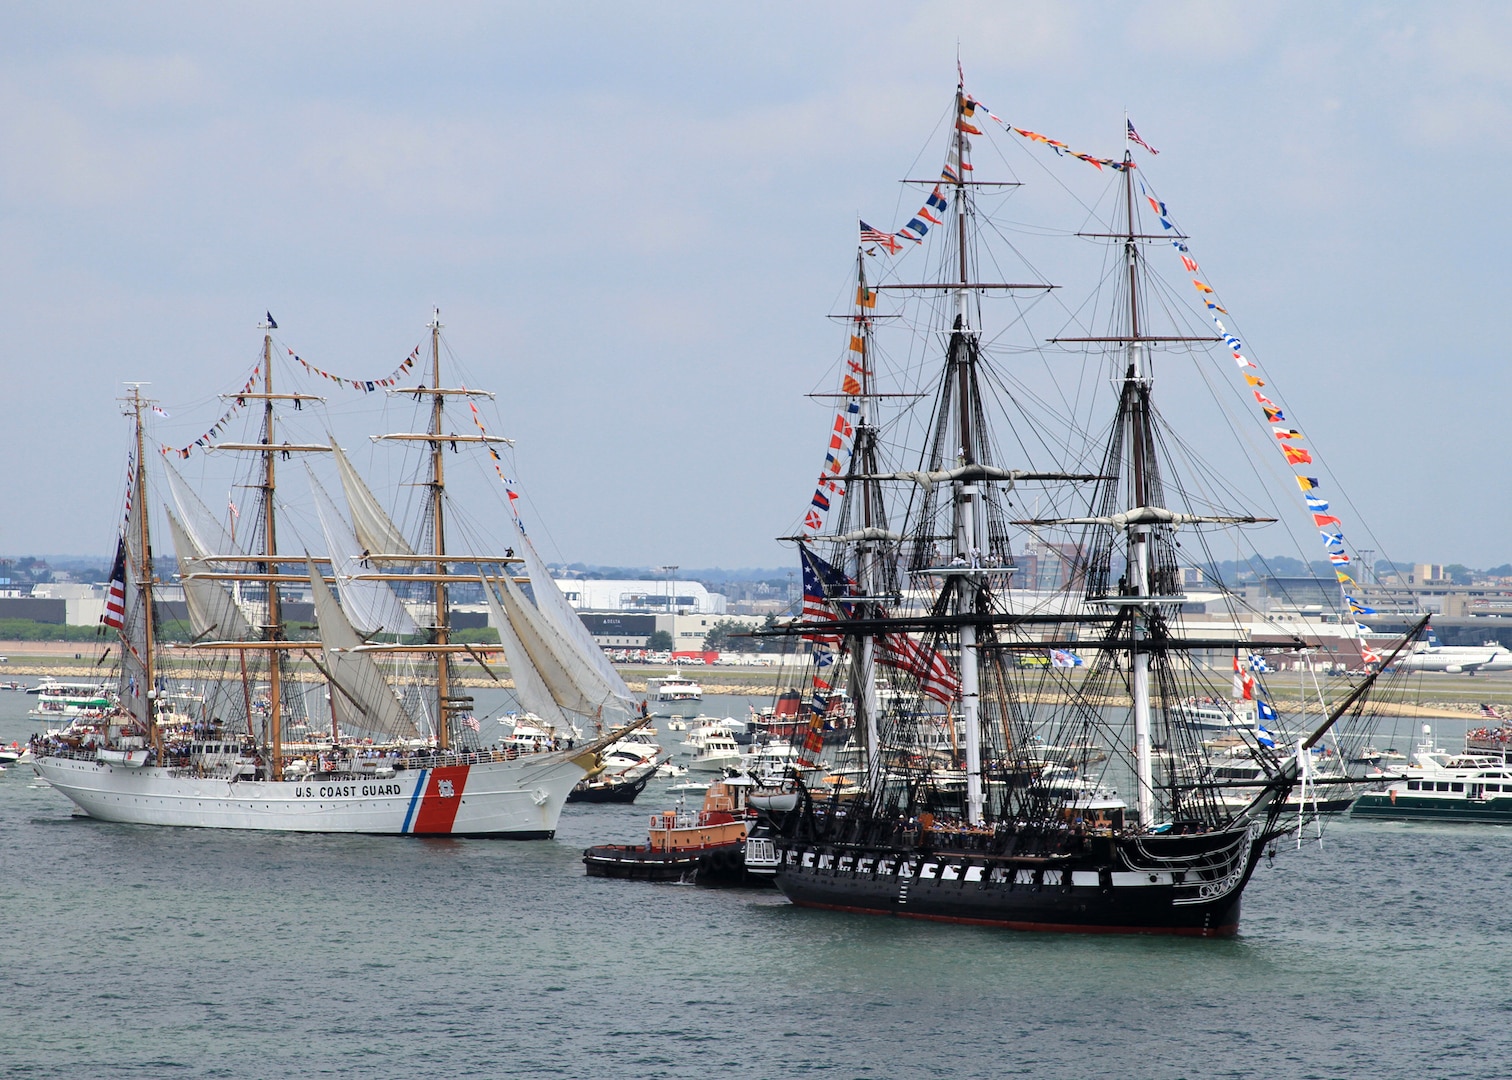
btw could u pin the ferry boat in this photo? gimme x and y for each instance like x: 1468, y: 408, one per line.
x: 66, y: 700
x: 1474, y: 786
x: 674, y: 687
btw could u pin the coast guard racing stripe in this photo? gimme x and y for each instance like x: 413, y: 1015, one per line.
x: 440, y: 801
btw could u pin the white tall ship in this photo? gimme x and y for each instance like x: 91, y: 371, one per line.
x: 396, y: 750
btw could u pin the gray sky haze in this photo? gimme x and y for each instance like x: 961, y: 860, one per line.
x: 635, y: 218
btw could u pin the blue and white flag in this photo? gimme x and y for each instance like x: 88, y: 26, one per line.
x: 1257, y: 663
x: 1063, y: 659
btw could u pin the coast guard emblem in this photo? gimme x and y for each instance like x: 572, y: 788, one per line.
x: 445, y: 790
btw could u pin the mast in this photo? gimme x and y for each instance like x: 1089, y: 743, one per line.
x: 272, y: 631
x: 967, y: 506
x: 436, y: 439
x: 1137, y: 385
x: 143, y: 569
x: 438, y: 539
x: 865, y: 461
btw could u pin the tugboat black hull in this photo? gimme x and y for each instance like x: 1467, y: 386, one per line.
x: 611, y: 791
x: 1152, y: 885
x: 714, y: 867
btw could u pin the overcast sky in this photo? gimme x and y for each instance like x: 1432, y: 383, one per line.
x: 635, y: 219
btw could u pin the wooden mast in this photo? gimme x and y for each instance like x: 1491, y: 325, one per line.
x: 143, y: 569
x: 438, y: 540
x: 273, y: 629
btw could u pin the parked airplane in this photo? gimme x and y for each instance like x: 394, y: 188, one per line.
x: 1455, y: 659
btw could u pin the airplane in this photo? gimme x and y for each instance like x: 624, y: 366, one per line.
x: 1455, y: 659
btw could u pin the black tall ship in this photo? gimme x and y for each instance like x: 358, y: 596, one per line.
x: 1000, y: 709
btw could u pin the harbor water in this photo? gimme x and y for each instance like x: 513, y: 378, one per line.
x: 153, y: 952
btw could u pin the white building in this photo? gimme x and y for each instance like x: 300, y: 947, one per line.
x: 679, y: 597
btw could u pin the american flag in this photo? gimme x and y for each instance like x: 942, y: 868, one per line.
x: 937, y: 679
x: 1134, y: 137
x: 1490, y: 711
x: 821, y: 583
x: 115, y: 596
x: 472, y: 722
x: 870, y: 235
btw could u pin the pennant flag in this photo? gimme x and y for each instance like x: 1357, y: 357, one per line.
x: 1252, y: 380
x: 1321, y: 520
x: 271, y: 324
x: 1344, y: 579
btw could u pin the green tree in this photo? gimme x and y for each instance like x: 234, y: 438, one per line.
x: 1457, y: 574
x: 660, y: 641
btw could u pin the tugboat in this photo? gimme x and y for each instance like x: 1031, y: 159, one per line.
x: 705, y: 848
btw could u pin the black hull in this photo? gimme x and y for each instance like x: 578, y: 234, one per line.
x: 1186, y: 885
x: 714, y: 867
x: 614, y: 791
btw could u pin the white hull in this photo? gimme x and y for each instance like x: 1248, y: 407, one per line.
x: 715, y: 763
x: 519, y: 798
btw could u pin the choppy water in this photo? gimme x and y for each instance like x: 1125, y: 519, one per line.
x: 136, y: 951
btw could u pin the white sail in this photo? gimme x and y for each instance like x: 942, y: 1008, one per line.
x: 553, y: 604
x: 204, y: 528
x: 376, y: 531
x: 530, y: 688
x: 213, y: 612
x: 370, y: 605
x: 359, y: 684
x: 566, y: 676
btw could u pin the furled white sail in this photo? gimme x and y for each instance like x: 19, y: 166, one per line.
x: 204, y: 528
x: 565, y: 674
x: 370, y: 605
x: 213, y: 612
x: 134, y: 644
x: 376, y: 531
x: 362, y: 696
x: 553, y: 604
x: 530, y: 688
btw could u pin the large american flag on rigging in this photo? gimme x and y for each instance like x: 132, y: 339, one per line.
x: 115, y: 595
x: 824, y: 586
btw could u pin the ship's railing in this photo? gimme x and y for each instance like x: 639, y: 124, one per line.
x: 345, y: 767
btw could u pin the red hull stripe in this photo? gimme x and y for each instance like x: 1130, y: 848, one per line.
x: 1052, y: 928
x: 442, y: 798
